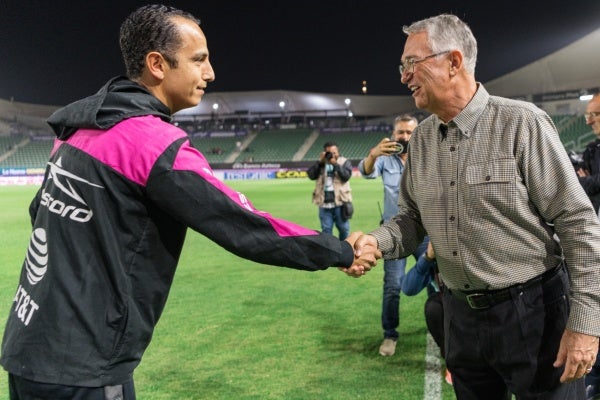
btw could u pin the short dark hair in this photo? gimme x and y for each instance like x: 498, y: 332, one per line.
x: 150, y: 28
x: 329, y: 144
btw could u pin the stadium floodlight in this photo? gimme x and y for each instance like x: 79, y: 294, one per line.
x: 282, y: 104
x: 347, y: 102
x: 215, y: 106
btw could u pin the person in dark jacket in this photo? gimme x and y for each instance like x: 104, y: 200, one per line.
x: 332, y: 192
x: 425, y: 274
x: 589, y: 175
x: 120, y: 190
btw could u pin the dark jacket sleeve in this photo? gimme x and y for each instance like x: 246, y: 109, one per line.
x: 314, y: 171
x: 344, y: 171
x: 591, y: 184
x: 418, y: 277
x: 198, y: 199
x: 591, y: 158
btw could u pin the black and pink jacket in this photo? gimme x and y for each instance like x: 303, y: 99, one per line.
x: 121, y: 188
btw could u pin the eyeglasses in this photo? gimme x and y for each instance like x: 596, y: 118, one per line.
x: 401, y: 131
x: 408, y: 65
x: 591, y: 114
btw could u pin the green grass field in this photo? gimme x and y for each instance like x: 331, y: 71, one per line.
x: 234, y: 329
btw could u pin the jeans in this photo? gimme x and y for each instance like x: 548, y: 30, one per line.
x: 393, y: 273
x: 329, y: 216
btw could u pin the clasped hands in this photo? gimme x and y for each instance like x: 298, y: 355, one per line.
x: 366, y: 254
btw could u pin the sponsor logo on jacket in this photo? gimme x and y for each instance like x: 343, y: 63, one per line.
x: 78, y: 211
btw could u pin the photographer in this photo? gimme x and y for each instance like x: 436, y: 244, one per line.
x: 332, y: 190
x: 387, y: 159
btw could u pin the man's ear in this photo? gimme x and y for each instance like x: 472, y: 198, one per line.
x: 456, y: 61
x: 156, y: 64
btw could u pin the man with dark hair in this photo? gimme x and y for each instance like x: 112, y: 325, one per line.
x: 121, y: 188
x: 332, y: 174
x: 489, y: 181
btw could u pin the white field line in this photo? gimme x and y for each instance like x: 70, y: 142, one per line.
x: 432, y: 389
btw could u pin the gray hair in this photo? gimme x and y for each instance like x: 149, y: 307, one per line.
x: 448, y: 32
x: 405, y: 118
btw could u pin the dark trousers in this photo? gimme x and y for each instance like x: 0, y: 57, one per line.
x: 434, y: 318
x: 510, y: 347
x: 24, y: 389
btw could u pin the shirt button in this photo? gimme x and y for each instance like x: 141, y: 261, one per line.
x: 452, y: 183
x: 452, y: 148
x: 455, y: 253
x: 487, y: 178
x: 452, y: 218
x: 467, y: 286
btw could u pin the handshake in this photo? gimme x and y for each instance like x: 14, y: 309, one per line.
x: 366, y: 254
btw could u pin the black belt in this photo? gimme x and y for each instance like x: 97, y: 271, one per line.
x: 484, y: 299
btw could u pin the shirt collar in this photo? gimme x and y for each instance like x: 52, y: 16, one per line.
x: 465, y: 121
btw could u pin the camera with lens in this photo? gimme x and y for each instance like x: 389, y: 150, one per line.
x: 328, y: 155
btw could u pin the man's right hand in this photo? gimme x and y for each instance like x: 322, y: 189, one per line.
x: 366, y: 251
x: 386, y: 147
x: 366, y: 260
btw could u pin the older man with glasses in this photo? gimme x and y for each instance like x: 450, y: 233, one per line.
x: 490, y: 182
x: 589, y: 175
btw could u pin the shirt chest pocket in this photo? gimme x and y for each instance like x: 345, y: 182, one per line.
x: 491, y: 186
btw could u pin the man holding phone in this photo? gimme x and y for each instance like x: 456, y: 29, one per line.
x: 387, y: 160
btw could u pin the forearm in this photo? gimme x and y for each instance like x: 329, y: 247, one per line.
x: 369, y: 164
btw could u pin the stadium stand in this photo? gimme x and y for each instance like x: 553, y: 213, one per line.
x: 574, y: 132
x: 26, y: 140
x: 353, y: 145
x: 216, y: 149
x: 274, y: 145
x: 28, y: 154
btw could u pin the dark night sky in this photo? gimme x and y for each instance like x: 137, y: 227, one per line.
x: 56, y: 51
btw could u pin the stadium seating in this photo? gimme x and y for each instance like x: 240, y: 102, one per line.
x: 32, y: 154
x: 272, y: 145
x: 8, y: 142
x: 216, y: 149
x: 352, y: 145
x: 574, y: 132
x: 275, y: 145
